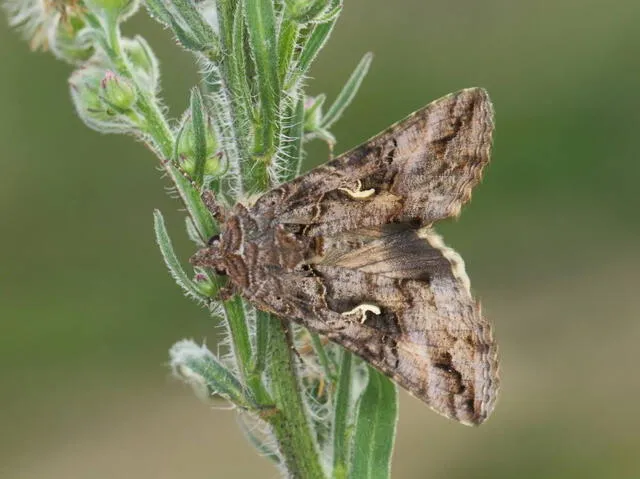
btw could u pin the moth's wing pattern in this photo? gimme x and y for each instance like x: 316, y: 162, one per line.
x: 369, y: 272
x: 430, y: 335
x: 427, y: 333
x: 422, y: 169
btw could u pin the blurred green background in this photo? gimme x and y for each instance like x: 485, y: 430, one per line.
x: 87, y: 310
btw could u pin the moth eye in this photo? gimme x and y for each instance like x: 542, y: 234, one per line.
x: 213, y: 239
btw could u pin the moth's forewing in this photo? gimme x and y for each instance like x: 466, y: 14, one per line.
x: 346, y: 250
x: 421, y: 169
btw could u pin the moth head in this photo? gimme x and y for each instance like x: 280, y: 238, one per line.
x: 211, y: 256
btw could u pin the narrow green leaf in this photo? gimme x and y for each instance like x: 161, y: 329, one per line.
x: 263, y: 446
x: 348, y: 92
x: 292, y: 141
x: 332, y: 13
x: 227, y: 128
x: 184, y: 36
x: 375, y: 429
x: 172, y: 261
x: 238, y: 77
x: 322, y: 356
x: 286, y: 46
x: 158, y: 11
x: 192, y: 231
x: 315, y: 110
x: 226, y: 10
x: 199, y: 122
x: 194, y: 25
x: 187, y: 24
x: 191, y: 199
x: 310, y: 12
x: 261, y: 25
x: 342, y: 419
x: 200, y: 368
x: 314, y: 43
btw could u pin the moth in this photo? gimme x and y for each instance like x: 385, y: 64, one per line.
x: 348, y: 250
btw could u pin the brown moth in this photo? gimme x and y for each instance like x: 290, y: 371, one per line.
x: 348, y: 251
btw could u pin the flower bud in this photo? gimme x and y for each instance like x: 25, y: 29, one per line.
x: 117, y: 92
x: 94, y: 109
x: 120, y: 9
x: 313, y: 112
x: 313, y: 119
x: 187, y: 149
x: 69, y: 38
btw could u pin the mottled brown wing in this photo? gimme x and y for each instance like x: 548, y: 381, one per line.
x: 400, y: 299
x: 422, y: 170
x: 346, y: 251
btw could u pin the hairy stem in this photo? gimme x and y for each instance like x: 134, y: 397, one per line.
x: 290, y: 423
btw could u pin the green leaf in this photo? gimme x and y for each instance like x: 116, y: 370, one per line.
x: 314, y: 43
x: 238, y: 76
x: 309, y: 12
x: 292, y: 141
x: 375, y: 429
x: 225, y: 12
x: 261, y: 25
x: 286, y: 45
x: 199, y: 367
x: 342, y: 419
x: 265, y: 446
x: 332, y: 13
x: 158, y: 11
x: 323, y: 357
x: 191, y: 198
x: 191, y: 28
x: 199, y: 122
x: 192, y: 232
x: 172, y: 261
x: 348, y: 92
x: 187, y: 24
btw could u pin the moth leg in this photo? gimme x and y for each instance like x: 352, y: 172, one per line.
x: 362, y: 310
x: 226, y: 293
x: 216, y: 209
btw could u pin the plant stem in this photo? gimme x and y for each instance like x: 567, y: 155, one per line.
x: 157, y: 126
x: 290, y: 424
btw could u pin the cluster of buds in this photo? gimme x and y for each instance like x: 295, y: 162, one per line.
x: 112, y: 80
x: 107, y: 101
